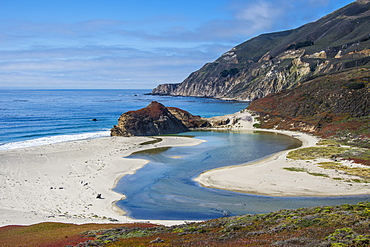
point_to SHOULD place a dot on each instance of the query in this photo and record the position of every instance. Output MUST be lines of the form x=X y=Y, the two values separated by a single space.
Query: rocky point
x=156 y=119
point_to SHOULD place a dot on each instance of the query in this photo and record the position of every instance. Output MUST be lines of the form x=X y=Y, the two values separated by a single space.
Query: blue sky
x=96 y=44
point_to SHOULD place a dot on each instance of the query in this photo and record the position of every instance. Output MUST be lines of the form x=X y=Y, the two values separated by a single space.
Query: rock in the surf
x=155 y=119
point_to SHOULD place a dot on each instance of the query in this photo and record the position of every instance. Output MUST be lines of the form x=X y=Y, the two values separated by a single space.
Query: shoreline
x=60 y=182
x=268 y=177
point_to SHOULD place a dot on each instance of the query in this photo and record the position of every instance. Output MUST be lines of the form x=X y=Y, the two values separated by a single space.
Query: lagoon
x=164 y=188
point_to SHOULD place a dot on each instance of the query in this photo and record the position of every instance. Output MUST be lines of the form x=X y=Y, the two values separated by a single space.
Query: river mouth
x=164 y=188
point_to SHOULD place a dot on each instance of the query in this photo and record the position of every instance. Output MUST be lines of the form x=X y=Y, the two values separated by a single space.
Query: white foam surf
x=54 y=139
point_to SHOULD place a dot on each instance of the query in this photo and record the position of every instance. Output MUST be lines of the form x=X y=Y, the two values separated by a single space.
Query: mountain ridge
x=273 y=62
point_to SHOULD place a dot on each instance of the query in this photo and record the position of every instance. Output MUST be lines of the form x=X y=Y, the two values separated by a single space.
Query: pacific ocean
x=38 y=117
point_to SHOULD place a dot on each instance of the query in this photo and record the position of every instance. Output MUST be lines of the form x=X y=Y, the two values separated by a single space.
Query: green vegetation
x=362 y=172
x=230 y=72
x=317 y=174
x=333 y=105
x=156 y=140
x=357 y=154
x=332 y=149
x=299 y=169
x=328 y=142
x=295 y=169
x=49 y=234
x=300 y=45
x=311 y=153
x=342 y=225
x=152 y=151
x=355 y=85
x=353 y=131
x=342 y=118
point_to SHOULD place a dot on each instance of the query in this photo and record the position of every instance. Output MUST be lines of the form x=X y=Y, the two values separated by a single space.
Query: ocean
x=38 y=117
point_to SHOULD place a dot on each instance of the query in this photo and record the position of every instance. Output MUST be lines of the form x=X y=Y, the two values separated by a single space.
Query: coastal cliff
x=274 y=62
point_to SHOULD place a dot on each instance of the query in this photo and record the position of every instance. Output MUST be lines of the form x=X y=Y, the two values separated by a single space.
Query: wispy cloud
x=81 y=54
x=113 y=66
x=259 y=14
x=121 y=53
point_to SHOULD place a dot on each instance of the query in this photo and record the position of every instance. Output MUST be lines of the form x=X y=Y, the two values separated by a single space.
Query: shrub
x=230 y=72
x=355 y=85
x=315 y=152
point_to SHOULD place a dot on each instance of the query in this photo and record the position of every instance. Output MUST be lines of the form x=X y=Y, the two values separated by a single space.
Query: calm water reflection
x=164 y=189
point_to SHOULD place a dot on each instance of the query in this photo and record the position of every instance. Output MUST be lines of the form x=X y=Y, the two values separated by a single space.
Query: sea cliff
x=274 y=62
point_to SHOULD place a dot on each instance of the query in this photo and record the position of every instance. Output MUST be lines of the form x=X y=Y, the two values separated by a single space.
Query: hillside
x=345 y=225
x=274 y=62
x=336 y=105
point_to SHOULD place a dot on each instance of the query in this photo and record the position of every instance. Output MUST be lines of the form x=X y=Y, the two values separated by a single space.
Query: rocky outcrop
x=274 y=62
x=327 y=105
x=188 y=119
x=165 y=89
x=155 y=119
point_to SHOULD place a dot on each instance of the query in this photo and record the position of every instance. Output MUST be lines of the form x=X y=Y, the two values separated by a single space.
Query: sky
x=126 y=44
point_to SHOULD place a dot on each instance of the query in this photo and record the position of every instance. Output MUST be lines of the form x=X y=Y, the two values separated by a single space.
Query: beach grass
x=299 y=169
x=154 y=141
x=311 y=153
x=328 y=142
x=362 y=172
x=295 y=169
x=355 y=153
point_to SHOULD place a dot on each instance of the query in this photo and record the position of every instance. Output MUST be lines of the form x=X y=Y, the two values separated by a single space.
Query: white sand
x=60 y=182
x=267 y=176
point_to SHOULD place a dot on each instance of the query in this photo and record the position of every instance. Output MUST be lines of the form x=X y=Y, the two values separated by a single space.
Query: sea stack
x=155 y=119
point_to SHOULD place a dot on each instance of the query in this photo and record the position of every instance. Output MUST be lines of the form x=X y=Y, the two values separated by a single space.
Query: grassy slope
x=345 y=225
x=53 y=234
x=335 y=105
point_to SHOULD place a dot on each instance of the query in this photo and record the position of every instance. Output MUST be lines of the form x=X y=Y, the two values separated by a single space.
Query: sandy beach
x=60 y=182
x=268 y=176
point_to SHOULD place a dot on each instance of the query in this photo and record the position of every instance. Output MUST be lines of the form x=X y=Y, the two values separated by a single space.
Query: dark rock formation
x=155 y=119
x=278 y=61
x=188 y=119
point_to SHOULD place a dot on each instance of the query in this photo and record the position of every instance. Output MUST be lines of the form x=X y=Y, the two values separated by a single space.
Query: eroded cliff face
x=275 y=62
x=257 y=80
x=166 y=89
